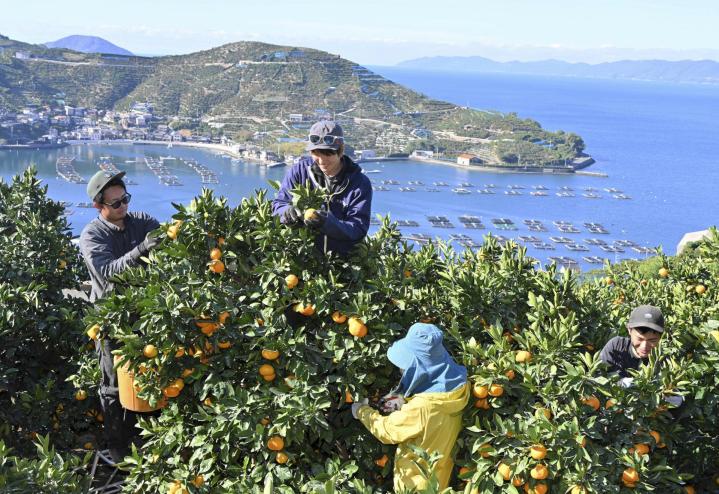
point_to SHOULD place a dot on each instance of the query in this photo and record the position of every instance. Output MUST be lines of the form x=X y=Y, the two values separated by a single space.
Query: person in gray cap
x=646 y=327
x=111 y=243
x=343 y=220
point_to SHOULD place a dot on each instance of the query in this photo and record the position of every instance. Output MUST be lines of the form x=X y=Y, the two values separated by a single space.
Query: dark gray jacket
x=109 y=250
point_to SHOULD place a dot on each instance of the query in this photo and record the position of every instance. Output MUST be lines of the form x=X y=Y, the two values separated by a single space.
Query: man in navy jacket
x=344 y=218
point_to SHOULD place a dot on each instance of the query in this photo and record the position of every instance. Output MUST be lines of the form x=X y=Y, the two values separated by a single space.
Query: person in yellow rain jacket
x=435 y=391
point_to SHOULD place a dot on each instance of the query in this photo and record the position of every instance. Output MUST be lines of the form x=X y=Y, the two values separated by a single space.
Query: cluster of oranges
x=277 y=444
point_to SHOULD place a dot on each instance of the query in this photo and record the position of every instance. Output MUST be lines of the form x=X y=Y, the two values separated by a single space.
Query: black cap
x=99 y=181
x=647 y=316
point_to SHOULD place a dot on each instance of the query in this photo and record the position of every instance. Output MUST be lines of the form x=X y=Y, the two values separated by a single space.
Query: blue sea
x=654 y=141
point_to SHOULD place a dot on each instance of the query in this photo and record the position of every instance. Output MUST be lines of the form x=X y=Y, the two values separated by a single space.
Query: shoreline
x=228 y=150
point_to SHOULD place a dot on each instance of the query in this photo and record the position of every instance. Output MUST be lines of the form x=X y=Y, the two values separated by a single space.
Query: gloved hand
x=151 y=241
x=391 y=402
x=291 y=216
x=675 y=400
x=317 y=219
x=357 y=405
x=626 y=382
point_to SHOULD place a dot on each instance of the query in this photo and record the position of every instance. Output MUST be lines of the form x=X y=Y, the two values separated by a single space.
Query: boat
x=407 y=189
x=276 y=164
x=465 y=218
x=409 y=223
x=512 y=192
x=543 y=246
x=539 y=187
x=460 y=190
x=593 y=259
x=431 y=189
x=538 y=193
x=577 y=247
x=369 y=171
x=591 y=195
x=561 y=240
x=415 y=182
x=465 y=184
x=440 y=184
x=621 y=196
x=565 y=193
x=594 y=241
x=486 y=191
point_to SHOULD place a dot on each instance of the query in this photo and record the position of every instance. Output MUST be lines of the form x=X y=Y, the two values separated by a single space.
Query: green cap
x=99 y=181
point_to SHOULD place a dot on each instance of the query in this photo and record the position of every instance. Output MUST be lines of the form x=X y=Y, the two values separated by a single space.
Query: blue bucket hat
x=428 y=367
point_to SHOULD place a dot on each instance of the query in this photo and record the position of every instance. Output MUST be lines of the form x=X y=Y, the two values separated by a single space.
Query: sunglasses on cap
x=327 y=139
x=125 y=199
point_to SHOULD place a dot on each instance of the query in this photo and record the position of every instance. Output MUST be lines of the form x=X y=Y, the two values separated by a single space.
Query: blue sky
x=384 y=32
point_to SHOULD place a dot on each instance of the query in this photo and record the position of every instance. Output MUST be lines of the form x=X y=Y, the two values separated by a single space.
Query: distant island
x=259 y=94
x=88 y=44
x=685 y=71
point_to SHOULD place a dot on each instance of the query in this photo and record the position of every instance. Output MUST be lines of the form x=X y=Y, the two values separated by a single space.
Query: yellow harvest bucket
x=128 y=394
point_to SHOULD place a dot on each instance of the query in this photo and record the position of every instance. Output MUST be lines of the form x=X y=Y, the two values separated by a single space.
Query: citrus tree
x=256 y=344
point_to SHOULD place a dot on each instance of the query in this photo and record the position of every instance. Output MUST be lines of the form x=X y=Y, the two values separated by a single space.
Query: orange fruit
x=496 y=390
x=608 y=281
x=171 y=391
x=505 y=471
x=510 y=374
x=150 y=351
x=93 y=331
x=265 y=421
x=482 y=403
x=485 y=454
x=207 y=402
x=381 y=461
x=348 y=397
x=700 y=289
x=539 y=488
x=215 y=254
x=407 y=273
x=537 y=451
x=172 y=232
x=517 y=481
x=591 y=401
x=578 y=489
x=281 y=457
x=657 y=439
x=187 y=372
x=480 y=391
x=224 y=345
x=641 y=449
x=305 y=310
x=291 y=281
x=224 y=315
x=464 y=471
x=688 y=489
x=357 y=327
x=310 y=214
x=276 y=443
x=270 y=354
x=269 y=377
x=539 y=472
x=630 y=476
x=609 y=404
x=338 y=317
x=180 y=352
x=266 y=370
x=663 y=272
x=220 y=240
x=198 y=481
x=217 y=267
x=81 y=395
x=546 y=412
x=523 y=356
x=87 y=445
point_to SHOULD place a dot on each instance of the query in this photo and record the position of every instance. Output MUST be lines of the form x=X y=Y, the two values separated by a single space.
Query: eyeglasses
x=327 y=139
x=125 y=199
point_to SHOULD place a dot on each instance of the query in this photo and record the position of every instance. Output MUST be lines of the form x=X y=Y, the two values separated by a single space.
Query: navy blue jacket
x=348 y=207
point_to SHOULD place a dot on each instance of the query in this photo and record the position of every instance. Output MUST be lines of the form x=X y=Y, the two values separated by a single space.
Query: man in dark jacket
x=111 y=243
x=645 y=327
x=343 y=220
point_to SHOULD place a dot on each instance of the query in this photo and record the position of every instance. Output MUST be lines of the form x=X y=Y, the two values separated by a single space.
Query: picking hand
x=291 y=216
x=357 y=405
x=151 y=241
x=317 y=219
x=392 y=402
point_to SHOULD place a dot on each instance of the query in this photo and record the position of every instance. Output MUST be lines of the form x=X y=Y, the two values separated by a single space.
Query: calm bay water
x=653 y=140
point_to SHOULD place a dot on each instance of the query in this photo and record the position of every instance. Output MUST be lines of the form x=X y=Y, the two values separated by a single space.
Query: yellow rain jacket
x=431 y=421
